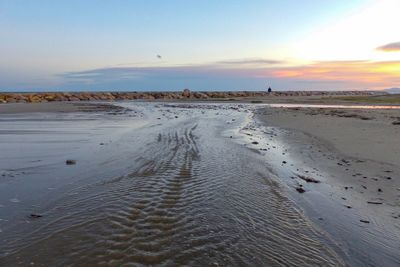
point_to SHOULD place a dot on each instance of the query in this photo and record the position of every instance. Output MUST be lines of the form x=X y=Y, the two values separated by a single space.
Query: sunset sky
x=202 y=45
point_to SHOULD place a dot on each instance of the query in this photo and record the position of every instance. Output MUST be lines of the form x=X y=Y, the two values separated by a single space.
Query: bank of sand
x=357 y=149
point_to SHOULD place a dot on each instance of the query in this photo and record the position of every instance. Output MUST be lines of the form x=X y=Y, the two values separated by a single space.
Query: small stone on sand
x=300 y=190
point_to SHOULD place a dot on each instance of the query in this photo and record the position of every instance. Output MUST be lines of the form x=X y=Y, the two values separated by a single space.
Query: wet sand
x=15 y=108
x=181 y=184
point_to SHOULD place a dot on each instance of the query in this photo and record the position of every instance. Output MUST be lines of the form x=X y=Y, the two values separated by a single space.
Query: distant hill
x=393 y=90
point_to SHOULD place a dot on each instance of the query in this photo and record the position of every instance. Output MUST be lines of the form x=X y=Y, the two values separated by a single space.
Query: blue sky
x=204 y=45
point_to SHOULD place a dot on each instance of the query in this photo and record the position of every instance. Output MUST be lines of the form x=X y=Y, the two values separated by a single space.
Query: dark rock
x=300 y=190
x=70 y=162
x=186 y=93
x=374 y=202
x=35 y=216
x=308 y=179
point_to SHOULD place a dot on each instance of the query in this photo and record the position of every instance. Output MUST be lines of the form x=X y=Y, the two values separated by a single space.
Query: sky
x=151 y=45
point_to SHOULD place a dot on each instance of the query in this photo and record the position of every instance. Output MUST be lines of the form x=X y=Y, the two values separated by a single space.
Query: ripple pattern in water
x=194 y=198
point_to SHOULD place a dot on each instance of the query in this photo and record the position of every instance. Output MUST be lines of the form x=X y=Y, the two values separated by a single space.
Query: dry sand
x=359 y=150
x=366 y=134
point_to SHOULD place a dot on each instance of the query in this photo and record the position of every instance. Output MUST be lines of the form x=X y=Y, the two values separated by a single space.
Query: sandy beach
x=200 y=133
x=227 y=184
x=360 y=133
x=354 y=151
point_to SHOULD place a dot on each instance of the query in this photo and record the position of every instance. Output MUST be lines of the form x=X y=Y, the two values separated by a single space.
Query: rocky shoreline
x=41 y=97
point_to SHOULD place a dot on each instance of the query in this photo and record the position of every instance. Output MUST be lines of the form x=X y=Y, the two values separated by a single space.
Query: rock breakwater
x=39 y=97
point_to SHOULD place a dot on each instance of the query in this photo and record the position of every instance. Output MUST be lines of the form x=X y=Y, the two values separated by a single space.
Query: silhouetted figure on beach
x=269 y=90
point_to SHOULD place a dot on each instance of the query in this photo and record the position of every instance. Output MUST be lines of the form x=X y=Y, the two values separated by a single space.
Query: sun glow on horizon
x=355 y=37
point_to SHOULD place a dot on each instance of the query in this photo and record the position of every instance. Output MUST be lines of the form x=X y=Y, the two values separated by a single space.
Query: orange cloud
x=378 y=74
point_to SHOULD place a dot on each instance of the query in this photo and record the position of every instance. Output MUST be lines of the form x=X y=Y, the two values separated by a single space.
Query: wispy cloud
x=243 y=68
x=331 y=74
x=252 y=61
x=392 y=47
x=197 y=77
x=103 y=75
